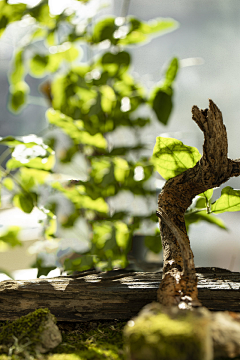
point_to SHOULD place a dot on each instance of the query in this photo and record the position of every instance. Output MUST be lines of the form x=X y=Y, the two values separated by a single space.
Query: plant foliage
x=91 y=94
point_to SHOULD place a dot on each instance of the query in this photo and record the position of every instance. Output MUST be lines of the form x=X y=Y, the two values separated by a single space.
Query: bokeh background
x=207 y=44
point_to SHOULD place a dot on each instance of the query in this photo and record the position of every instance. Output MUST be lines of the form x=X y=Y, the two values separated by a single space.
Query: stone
x=159 y=333
x=36 y=332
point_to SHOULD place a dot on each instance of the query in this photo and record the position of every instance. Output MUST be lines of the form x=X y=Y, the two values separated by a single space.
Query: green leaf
x=8 y=183
x=38 y=34
x=141 y=31
x=115 y=63
x=42 y=15
x=24 y=202
x=108 y=98
x=153 y=243
x=75 y=129
x=66 y=52
x=10 y=237
x=104 y=30
x=121 y=169
x=38 y=65
x=172 y=71
x=122 y=235
x=228 y=201
x=46 y=163
x=81 y=263
x=207 y=194
x=30 y=151
x=18 y=95
x=28 y=141
x=161 y=97
x=42 y=269
x=162 y=104
x=18 y=71
x=10 y=13
x=171 y=157
x=31 y=177
x=191 y=218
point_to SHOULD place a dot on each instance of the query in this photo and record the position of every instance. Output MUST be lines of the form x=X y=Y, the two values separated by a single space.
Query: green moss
x=104 y=342
x=158 y=336
x=81 y=341
x=24 y=332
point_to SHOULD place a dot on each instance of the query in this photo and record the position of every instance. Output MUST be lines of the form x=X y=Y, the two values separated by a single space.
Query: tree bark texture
x=179 y=285
x=107 y=296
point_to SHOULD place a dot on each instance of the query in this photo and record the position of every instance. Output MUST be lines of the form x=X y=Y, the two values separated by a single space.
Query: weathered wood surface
x=114 y=295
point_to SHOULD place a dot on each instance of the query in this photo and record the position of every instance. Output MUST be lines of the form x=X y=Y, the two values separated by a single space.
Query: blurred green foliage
x=91 y=93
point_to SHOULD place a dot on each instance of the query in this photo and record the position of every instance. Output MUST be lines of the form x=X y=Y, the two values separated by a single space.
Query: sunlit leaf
x=81 y=263
x=161 y=97
x=116 y=63
x=31 y=177
x=39 y=33
x=46 y=163
x=69 y=54
x=207 y=194
x=78 y=197
x=38 y=64
x=228 y=201
x=28 y=141
x=42 y=15
x=108 y=98
x=75 y=129
x=171 y=157
x=142 y=31
x=18 y=71
x=191 y=218
x=122 y=235
x=24 y=202
x=30 y=151
x=104 y=30
x=172 y=71
x=51 y=38
x=8 y=183
x=10 y=236
x=18 y=95
x=42 y=64
x=10 y=13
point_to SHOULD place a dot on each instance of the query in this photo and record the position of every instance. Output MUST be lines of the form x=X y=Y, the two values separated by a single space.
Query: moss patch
x=156 y=336
x=91 y=341
x=20 y=336
x=83 y=341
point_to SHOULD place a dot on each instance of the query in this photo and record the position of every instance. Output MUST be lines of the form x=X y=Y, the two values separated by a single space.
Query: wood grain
x=105 y=296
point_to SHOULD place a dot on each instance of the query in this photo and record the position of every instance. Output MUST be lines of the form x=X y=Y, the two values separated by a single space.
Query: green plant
x=89 y=99
x=171 y=158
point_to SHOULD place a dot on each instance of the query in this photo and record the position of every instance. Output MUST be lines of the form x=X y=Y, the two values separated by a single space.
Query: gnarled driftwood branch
x=179 y=285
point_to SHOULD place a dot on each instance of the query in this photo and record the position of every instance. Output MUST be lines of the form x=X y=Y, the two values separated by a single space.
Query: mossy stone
x=157 y=335
x=36 y=332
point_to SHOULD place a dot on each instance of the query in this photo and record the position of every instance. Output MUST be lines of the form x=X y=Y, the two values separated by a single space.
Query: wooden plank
x=117 y=294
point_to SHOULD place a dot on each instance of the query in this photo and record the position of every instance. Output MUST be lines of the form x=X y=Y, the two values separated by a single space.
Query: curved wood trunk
x=179 y=285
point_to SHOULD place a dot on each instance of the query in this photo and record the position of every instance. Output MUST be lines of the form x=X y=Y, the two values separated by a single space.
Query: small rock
x=169 y=334
x=37 y=329
x=225 y=329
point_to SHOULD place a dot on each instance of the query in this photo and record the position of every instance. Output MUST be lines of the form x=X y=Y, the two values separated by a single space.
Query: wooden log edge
x=116 y=294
